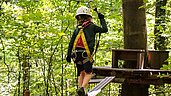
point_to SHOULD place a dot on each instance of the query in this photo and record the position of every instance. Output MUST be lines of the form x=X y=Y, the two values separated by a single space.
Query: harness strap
x=81 y=33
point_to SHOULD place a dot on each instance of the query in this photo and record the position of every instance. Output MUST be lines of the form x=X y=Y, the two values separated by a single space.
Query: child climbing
x=81 y=46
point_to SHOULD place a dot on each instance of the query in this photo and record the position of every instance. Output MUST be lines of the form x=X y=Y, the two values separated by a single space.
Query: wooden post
x=135 y=37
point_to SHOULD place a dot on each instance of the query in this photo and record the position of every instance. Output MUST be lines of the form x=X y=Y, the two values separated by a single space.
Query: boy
x=82 y=44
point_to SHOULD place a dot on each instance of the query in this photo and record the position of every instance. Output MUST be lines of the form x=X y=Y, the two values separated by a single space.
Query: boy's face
x=82 y=17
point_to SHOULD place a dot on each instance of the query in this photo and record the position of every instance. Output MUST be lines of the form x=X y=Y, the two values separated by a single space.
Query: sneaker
x=81 y=92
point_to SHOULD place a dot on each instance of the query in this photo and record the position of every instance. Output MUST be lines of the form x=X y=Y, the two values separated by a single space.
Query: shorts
x=86 y=66
x=81 y=67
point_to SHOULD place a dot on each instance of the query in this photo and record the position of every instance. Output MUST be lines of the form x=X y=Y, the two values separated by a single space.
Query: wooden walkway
x=137 y=76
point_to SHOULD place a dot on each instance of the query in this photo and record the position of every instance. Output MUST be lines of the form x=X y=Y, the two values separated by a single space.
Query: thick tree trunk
x=135 y=37
x=160 y=42
x=135 y=34
x=134 y=90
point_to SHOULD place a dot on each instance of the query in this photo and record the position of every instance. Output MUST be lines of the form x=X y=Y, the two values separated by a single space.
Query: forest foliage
x=34 y=36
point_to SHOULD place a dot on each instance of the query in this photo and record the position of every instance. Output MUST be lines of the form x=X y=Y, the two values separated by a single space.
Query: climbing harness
x=86 y=54
x=83 y=53
x=81 y=33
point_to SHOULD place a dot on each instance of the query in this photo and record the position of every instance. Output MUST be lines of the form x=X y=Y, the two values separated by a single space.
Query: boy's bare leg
x=81 y=78
x=86 y=79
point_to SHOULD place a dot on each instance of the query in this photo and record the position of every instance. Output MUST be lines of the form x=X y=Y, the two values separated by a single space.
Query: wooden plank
x=95 y=80
x=129 y=70
x=100 y=86
x=139 y=76
x=127 y=50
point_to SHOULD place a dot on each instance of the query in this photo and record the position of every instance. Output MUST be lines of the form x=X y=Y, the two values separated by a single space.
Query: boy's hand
x=100 y=15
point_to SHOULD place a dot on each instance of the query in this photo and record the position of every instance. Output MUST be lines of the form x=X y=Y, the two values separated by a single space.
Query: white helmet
x=83 y=10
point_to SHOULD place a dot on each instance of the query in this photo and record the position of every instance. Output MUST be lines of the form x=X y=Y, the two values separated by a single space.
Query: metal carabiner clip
x=84 y=54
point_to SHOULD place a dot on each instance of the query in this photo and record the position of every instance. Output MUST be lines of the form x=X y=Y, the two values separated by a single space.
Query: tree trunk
x=26 y=76
x=135 y=34
x=160 y=41
x=135 y=37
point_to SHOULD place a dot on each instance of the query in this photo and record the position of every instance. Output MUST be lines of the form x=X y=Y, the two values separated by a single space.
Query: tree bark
x=26 y=76
x=135 y=37
x=135 y=34
x=160 y=42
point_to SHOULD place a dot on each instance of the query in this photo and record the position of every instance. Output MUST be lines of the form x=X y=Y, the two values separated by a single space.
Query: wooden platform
x=137 y=76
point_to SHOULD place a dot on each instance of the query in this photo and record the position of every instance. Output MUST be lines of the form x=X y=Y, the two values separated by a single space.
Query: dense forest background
x=34 y=36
